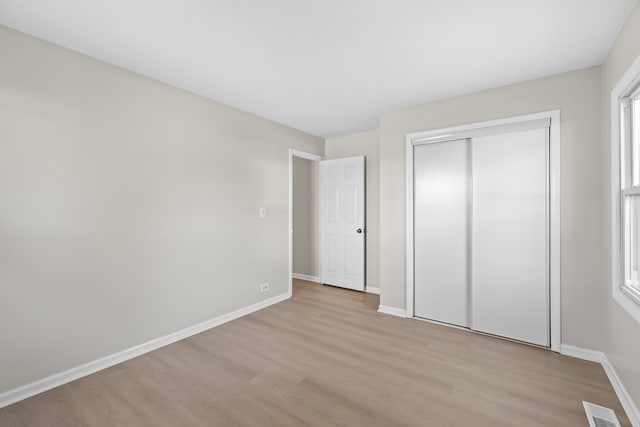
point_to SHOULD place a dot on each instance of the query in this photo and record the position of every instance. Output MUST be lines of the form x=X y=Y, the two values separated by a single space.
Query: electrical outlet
x=264 y=287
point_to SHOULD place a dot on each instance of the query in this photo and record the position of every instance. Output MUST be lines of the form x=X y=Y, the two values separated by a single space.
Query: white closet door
x=509 y=244
x=441 y=225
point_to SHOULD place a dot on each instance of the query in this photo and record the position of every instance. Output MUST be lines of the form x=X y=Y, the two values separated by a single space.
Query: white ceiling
x=329 y=67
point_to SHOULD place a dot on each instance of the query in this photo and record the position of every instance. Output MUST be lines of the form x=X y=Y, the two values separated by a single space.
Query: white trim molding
x=314 y=279
x=628 y=79
x=393 y=311
x=554 y=199
x=372 y=290
x=581 y=353
x=625 y=398
x=61 y=378
x=627 y=402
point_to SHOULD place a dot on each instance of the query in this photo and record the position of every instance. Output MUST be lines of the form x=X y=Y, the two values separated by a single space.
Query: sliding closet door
x=441 y=226
x=510 y=236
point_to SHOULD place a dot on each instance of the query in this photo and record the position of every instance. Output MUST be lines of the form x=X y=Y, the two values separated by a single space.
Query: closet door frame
x=476 y=129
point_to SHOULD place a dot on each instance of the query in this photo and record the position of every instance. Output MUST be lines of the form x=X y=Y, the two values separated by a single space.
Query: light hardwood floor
x=327 y=358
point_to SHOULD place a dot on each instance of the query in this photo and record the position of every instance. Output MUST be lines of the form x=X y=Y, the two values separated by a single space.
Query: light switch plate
x=263 y=212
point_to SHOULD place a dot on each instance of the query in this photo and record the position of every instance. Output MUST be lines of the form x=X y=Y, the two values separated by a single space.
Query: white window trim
x=630 y=78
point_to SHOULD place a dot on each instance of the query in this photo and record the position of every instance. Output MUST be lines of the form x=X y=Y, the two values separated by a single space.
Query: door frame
x=554 y=208
x=308 y=156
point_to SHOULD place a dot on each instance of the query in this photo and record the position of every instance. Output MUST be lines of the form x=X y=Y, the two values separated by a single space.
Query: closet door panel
x=510 y=236
x=441 y=226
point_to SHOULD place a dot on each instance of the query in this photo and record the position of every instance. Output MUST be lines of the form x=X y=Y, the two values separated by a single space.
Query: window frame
x=625 y=181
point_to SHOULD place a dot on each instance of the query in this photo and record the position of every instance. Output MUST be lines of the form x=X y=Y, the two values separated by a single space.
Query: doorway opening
x=304 y=253
x=327 y=220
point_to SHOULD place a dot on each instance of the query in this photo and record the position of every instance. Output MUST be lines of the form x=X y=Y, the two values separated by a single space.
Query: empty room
x=332 y=213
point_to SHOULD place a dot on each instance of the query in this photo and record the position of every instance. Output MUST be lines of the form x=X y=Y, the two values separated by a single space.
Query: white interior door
x=342 y=222
x=510 y=236
x=441 y=227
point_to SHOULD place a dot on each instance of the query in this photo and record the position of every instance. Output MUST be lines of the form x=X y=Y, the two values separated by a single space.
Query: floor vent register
x=599 y=416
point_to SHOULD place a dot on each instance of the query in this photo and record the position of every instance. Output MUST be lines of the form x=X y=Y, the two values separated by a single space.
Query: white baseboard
x=581 y=353
x=315 y=279
x=627 y=402
x=305 y=277
x=393 y=311
x=55 y=380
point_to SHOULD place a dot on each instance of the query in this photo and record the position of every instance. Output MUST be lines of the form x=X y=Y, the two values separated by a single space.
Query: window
x=630 y=187
x=626 y=196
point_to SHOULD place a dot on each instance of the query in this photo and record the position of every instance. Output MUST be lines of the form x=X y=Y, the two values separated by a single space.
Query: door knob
x=359 y=230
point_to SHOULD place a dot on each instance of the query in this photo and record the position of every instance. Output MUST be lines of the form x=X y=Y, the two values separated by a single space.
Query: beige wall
x=129 y=208
x=365 y=144
x=622 y=332
x=305 y=217
x=577 y=95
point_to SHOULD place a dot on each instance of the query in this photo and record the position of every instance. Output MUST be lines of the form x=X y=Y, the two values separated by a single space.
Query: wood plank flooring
x=327 y=358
